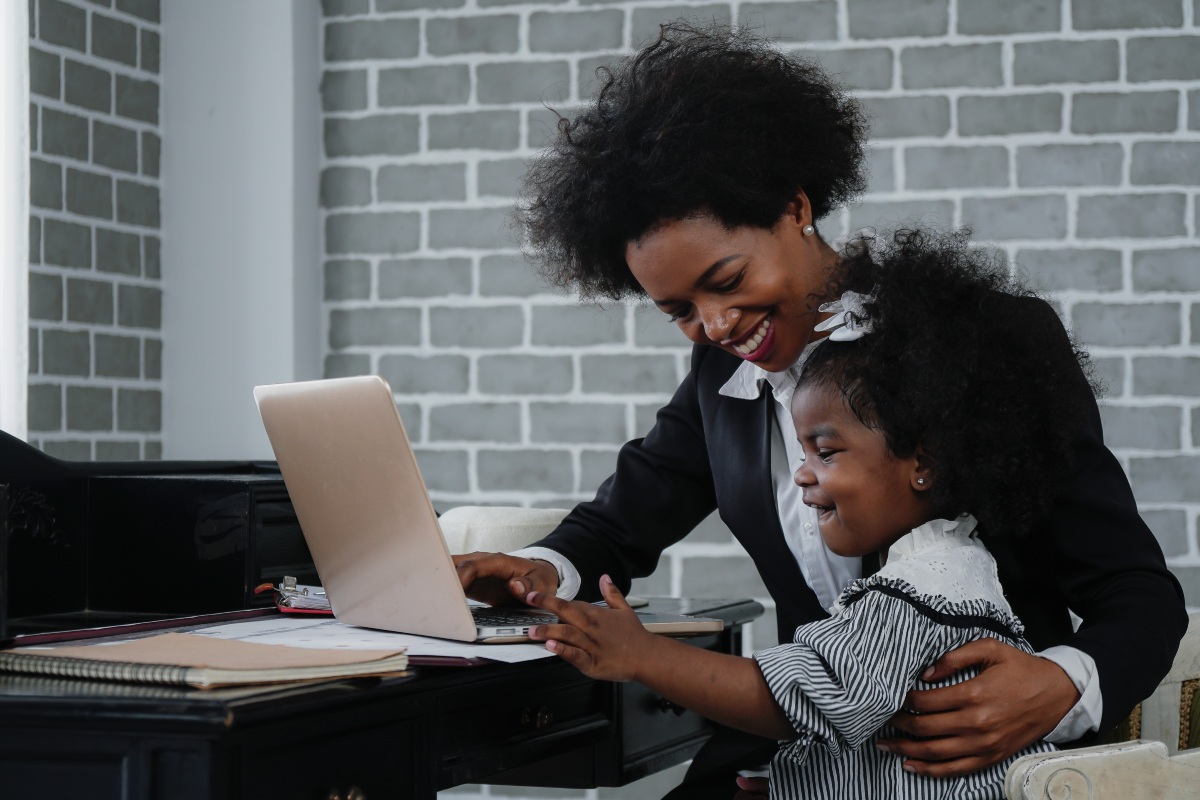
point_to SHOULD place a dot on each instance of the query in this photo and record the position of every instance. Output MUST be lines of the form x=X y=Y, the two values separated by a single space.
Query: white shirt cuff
x=1086 y=714
x=568 y=576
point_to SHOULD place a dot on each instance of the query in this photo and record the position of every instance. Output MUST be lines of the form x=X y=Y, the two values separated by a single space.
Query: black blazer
x=706 y=451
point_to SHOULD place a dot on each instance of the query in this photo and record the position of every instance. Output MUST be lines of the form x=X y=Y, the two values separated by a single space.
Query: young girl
x=931 y=421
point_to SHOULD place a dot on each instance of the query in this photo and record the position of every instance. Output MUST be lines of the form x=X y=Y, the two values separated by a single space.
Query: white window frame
x=14 y=217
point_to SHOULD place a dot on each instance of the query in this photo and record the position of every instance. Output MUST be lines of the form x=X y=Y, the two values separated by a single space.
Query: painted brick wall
x=95 y=282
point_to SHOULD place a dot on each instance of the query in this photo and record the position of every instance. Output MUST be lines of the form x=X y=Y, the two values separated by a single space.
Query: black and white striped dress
x=842 y=678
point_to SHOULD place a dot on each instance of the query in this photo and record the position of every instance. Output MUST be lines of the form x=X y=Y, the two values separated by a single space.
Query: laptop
x=369 y=523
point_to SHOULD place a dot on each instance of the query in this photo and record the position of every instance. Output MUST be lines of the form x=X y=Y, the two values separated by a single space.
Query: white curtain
x=14 y=215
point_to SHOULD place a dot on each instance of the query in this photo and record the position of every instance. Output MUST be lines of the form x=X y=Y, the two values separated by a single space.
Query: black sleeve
x=662 y=488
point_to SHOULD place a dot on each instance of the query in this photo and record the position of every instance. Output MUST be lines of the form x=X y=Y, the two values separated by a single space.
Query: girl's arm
x=611 y=644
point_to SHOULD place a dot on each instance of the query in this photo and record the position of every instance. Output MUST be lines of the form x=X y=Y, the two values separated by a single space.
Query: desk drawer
x=650 y=723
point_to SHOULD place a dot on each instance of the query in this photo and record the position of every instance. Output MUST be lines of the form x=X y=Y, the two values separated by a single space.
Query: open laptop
x=368 y=521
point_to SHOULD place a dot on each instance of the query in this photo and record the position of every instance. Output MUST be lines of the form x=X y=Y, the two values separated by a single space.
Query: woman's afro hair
x=967 y=366
x=701 y=121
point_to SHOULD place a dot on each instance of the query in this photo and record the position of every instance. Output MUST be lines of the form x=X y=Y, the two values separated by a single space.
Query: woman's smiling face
x=753 y=292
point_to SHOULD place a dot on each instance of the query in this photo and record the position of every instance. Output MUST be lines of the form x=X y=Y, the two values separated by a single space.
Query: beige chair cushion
x=498 y=529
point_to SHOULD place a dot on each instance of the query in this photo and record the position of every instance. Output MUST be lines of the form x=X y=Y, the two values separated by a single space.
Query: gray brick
x=385 y=233
x=89 y=194
x=374 y=326
x=1002 y=116
x=346 y=365
x=381 y=134
x=71 y=450
x=89 y=301
x=60 y=23
x=636 y=374
x=482 y=33
x=45 y=411
x=476 y=422
x=1024 y=217
x=1065 y=62
x=137 y=99
x=152 y=359
x=118 y=451
x=558 y=32
x=344 y=90
x=935 y=213
x=482 y=130
x=595 y=467
x=508 y=276
x=898 y=117
x=490 y=328
x=138 y=204
x=721 y=576
x=439 y=84
x=1070 y=165
x=444 y=470
x=1110 y=373
x=345 y=186
x=153 y=256
x=1088 y=15
x=422 y=182
x=1127 y=324
x=881 y=170
x=117 y=251
x=526 y=374
x=114 y=147
x=114 y=39
x=494 y=3
x=1165 y=479
x=1156 y=58
x=1157 y=163
x=858 y=67
x=139 y=410
x=1090 y=270
x=1125 y=112
x=1194 y=110
x=45 y=73
x=600 y=423
x=45 y=296
x=578 y=326
x=118 y=356
x=1126 y=215
x=151 y=153
x=1175 y=269
x=35 y=240
x=523 y=82
x=956 y=167
x=652 y=328
x=64 y=134
x=974 y=65
x=66 y=244
x=372 y=39
x=443 y=373
x=792 y=22
x=644 y=418
x=1170 y=529
x=45 y=184
x=525 y=470
x=407 y=5
x=139 y=307
x=348 y=279
x=1142 y=427
x=500 y=178
x=424 y=277
x=645 y=23
x=541 y=125
x=589 y=82
x=1171 y=376
x=66 y=353
x=885 y=19
x=151 y=50
x=989 y=18
x=481 y=228
x=89 y=408
x=146 y=9
x=345 y=8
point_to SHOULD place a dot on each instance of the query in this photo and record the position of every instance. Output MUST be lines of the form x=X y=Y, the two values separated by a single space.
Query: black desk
x=537 y=723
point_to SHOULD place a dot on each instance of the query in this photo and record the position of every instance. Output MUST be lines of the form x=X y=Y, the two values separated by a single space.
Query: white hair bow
x=850 y=320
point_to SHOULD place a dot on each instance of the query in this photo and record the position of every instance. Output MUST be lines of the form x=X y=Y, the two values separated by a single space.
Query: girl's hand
x=605 y=643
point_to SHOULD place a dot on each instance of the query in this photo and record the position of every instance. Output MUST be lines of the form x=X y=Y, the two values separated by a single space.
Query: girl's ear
x=921 y=479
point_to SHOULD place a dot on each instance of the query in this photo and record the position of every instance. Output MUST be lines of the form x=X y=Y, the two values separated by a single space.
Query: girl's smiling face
x=865 y=495
x=753 y=292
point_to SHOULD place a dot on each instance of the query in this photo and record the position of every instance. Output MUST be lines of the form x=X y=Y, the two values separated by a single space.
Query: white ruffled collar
x=937 y=534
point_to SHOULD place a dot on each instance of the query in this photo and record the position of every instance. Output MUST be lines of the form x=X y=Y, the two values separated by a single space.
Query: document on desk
x=327 y=634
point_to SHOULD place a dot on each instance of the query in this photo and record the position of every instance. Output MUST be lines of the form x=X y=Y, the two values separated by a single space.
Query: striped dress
x=841 y=678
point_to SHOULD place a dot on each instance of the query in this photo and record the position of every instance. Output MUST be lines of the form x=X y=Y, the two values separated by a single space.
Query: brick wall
x=95 y=282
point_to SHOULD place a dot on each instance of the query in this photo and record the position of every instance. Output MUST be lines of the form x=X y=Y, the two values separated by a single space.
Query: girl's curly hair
x=703 y=120
x=965 y=363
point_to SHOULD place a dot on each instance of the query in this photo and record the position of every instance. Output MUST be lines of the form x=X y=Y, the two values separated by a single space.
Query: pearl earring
x=808 y=230
x=920 y=481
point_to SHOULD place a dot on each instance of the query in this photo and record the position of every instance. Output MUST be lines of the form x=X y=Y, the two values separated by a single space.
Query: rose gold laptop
x=368 y=521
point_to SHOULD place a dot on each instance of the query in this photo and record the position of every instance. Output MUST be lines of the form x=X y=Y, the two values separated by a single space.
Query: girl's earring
x=920 y=481
x=808 y=230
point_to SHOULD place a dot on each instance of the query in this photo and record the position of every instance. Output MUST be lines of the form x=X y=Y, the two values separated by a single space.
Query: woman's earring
x=920 y=481
x=808 y=230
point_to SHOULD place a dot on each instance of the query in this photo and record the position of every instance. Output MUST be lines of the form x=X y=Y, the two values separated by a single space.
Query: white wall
x=240 y=216
x=14 y=216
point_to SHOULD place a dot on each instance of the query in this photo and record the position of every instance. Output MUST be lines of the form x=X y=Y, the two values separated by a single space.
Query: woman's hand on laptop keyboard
x=503 y=580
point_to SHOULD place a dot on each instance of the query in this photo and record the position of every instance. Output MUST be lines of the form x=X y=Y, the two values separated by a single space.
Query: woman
x=697 y=179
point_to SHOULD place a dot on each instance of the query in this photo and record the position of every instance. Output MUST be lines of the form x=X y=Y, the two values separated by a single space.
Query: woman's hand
x=1016 y=699
x=605 y=643
x=498 y=579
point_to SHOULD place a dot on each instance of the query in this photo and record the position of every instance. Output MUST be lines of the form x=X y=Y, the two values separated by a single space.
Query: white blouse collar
x=743 y=384
x=934 y=535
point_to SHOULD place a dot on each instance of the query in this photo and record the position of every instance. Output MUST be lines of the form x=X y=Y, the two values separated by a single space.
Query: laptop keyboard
x=493 y=617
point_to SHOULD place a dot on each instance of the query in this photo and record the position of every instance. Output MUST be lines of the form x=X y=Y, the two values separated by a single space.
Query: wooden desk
x=538 y=723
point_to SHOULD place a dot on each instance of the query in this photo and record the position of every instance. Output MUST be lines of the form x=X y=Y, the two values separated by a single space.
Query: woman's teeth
x=751 y=344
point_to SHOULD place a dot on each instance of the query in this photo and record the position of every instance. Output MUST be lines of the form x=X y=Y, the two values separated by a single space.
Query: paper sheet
x=326 y=634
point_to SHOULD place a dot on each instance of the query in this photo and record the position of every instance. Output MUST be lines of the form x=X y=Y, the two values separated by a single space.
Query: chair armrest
x=1139 y=768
